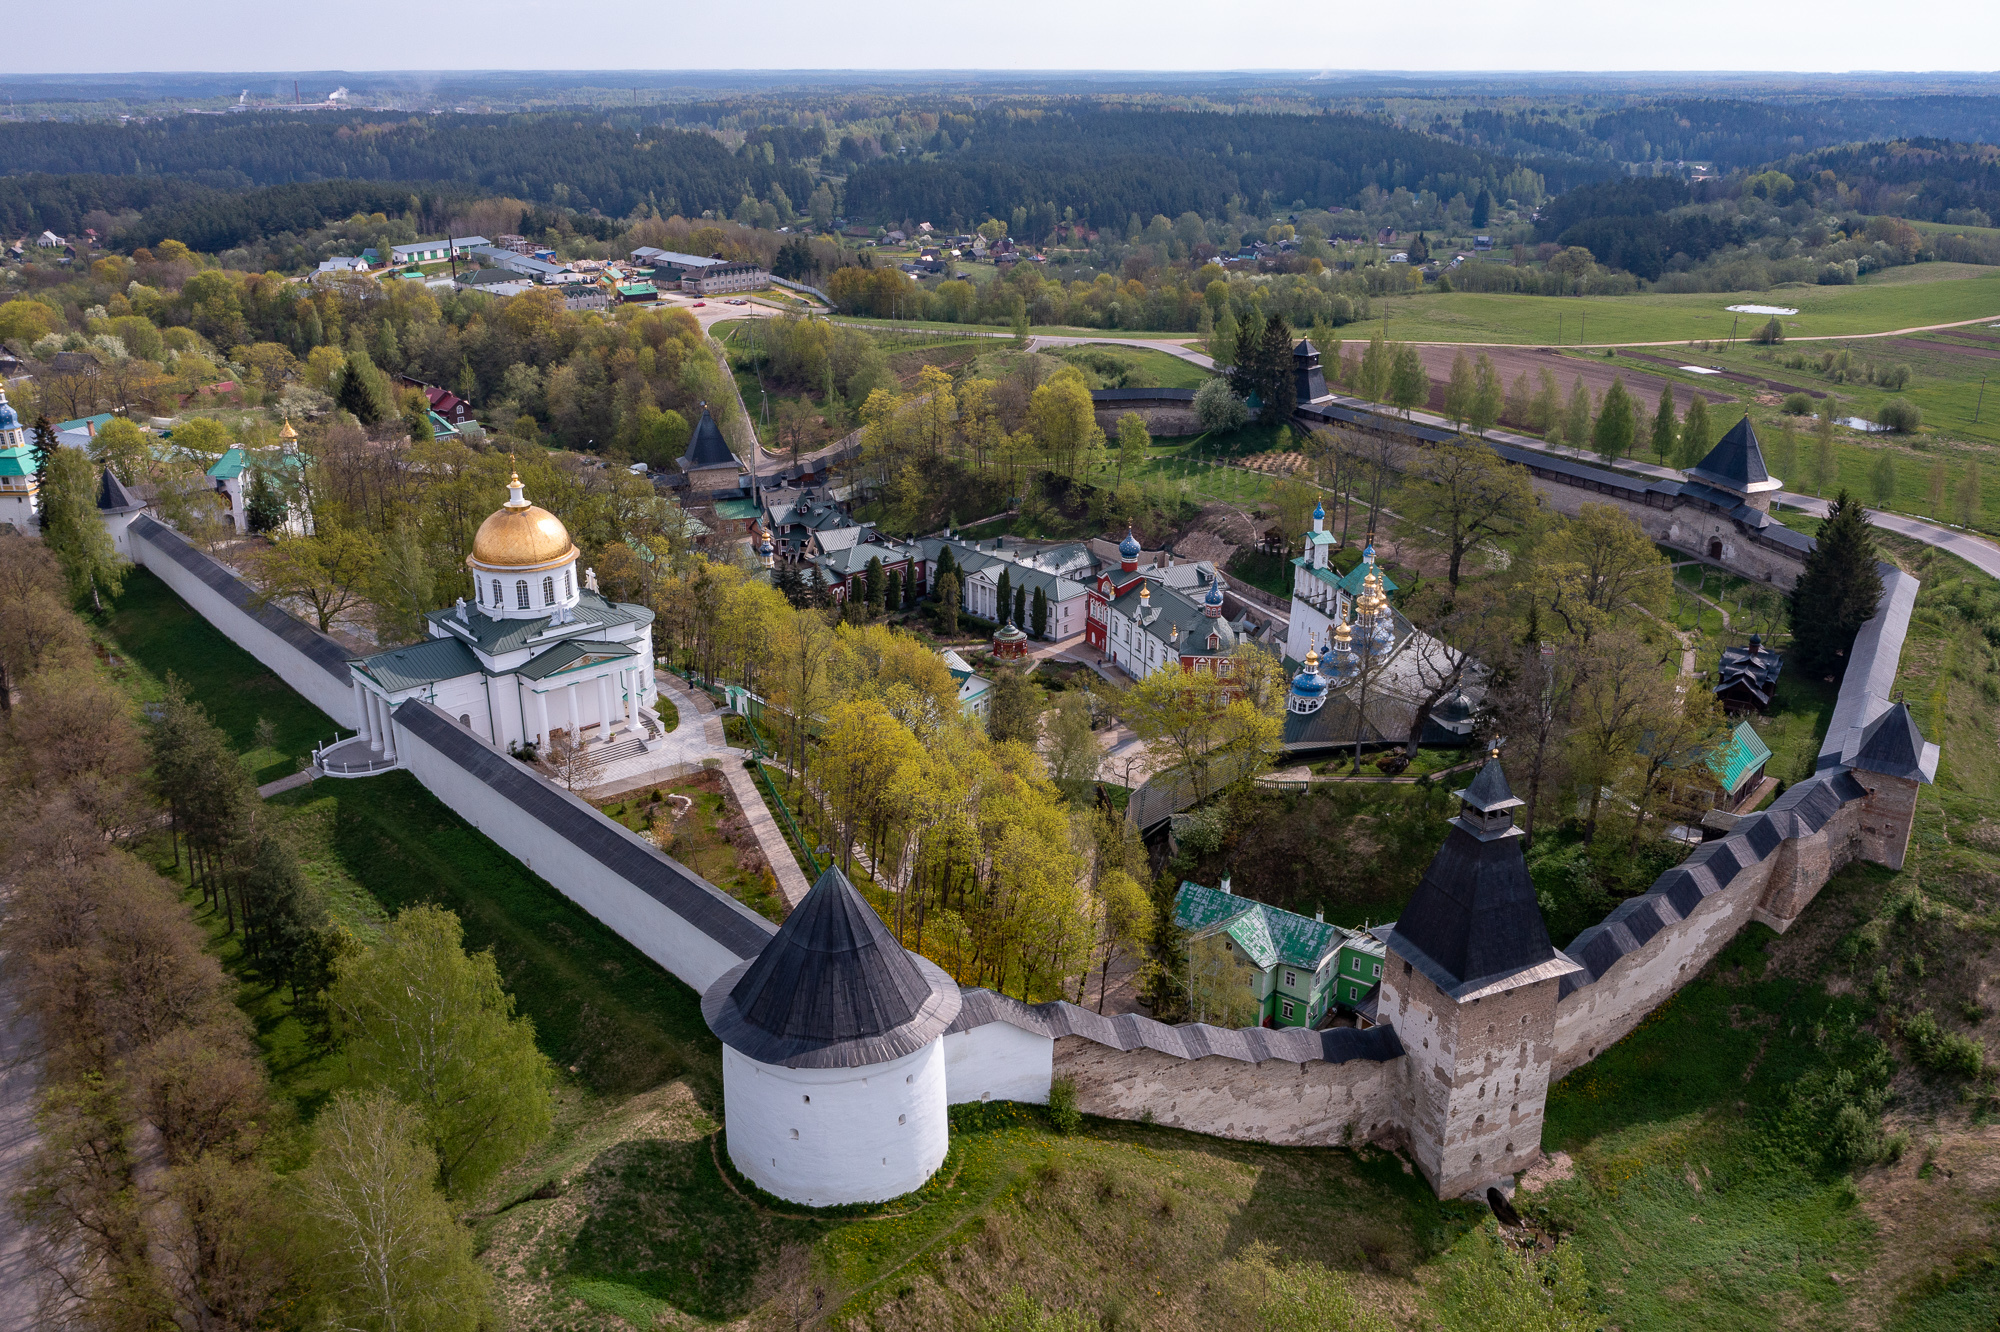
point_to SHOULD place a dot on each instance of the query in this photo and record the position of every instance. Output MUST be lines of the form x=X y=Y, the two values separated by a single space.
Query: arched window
x=567 y=593
x=549 y=591
x=478 y=592
x=497 y=602
x=521 y=594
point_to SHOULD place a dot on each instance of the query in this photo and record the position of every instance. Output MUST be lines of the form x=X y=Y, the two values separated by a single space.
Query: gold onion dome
x=288 y=434
x=522 y=536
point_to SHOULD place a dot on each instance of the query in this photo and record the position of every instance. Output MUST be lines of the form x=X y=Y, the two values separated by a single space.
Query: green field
x=1896 y=298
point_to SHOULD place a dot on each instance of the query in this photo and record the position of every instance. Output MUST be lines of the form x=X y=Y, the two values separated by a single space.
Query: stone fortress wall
x=1289 y=1086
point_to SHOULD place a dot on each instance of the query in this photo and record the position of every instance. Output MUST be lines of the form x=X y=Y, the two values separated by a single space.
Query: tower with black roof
x=1471 y=989
x=833 y=1077
x=1735 y=466
x=1891 y=759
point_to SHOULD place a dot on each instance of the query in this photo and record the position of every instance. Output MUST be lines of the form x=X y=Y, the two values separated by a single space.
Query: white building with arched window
x=538 y=652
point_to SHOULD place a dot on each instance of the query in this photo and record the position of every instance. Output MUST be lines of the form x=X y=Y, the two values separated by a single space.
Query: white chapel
x=538 y=650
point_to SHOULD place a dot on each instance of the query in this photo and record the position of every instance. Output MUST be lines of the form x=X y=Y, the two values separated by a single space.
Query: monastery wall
x=298 y=654
x=1688 y=527
x=652 y=901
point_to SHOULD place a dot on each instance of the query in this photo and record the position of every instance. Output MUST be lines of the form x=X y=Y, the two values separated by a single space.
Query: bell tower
x=1471 y=987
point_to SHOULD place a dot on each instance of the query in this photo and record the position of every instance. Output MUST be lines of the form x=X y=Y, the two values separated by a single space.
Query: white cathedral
x=538 y=651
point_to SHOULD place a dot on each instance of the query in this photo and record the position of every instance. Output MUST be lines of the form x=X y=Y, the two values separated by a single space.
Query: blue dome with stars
x=1214 y=597
x=1129 y=547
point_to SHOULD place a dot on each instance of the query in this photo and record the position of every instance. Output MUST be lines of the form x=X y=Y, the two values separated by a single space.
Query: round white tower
x=523 y=562
x=833 y=1056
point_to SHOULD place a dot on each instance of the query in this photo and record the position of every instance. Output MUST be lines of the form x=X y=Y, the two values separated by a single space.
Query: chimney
x=1319 y=914
x=1225 y=885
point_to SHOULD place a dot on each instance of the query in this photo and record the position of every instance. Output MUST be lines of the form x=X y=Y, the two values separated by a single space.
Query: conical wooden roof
x=833 y=989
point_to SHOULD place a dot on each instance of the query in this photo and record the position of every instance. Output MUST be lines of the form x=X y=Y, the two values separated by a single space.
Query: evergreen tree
x=266 y=504
x=947 y=599
x=40 y=451
x=1039 y=613
x=1276 y=384
x=1004 y=598
x=945 y=564
x=1482 y=209
x=1616 y=422
x=1420 y=249
x=876 y=583
x=1244 y=374
x=1837 y=592
x=892 y=599
x=789 y=584
x=1665 y=429
x=1021 y=607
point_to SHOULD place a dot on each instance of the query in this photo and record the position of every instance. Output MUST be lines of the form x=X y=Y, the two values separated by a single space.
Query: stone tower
x=1471 y=989
x=1891 y=761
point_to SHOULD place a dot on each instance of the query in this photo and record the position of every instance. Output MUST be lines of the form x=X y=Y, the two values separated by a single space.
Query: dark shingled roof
x=707 y=448
x=1737 y=463
x=1489 y=790
x=833 y=989
x=1474 y=914
x=1893 y=746
x=113 y=497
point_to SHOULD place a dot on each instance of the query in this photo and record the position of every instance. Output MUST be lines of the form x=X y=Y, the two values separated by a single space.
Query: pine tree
x=1004 y=598
x=945 y=564
x=876 y=585
x=1039 y=613
x=39 y=453
x=1665 y=429
x=1020 y=607
x=1837 y=592
x=893 y=598
x=1482 y=208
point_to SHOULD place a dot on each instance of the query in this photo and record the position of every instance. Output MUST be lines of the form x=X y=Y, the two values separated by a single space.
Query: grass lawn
x=1895 y=298
x=1134 y=367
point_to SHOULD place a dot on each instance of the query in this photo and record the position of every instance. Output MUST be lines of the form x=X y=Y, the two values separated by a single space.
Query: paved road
x=1975 y=550
x=1789 y=337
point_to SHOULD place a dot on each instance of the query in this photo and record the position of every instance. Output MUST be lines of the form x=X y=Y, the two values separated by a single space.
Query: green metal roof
x=1350 y=583
x=420 y=664
x=229 y=466
x=1741 y=755
x=496 y=637
x=736 y=509
x=638 y=289
x=571 y=653
x=17 y=462
x=1267 y=935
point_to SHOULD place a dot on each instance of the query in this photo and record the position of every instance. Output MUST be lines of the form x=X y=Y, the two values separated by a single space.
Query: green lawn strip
x=151 y=633
x=600 y=1007
x=697 y=840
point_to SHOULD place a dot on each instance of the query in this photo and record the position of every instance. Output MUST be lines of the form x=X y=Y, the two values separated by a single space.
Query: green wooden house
x=1249 y=964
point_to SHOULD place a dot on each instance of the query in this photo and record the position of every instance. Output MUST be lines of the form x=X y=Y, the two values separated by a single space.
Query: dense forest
x=584 y=163
x=1105 y=166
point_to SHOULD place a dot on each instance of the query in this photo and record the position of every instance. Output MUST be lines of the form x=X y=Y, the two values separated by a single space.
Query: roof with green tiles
x=420 y=664
x=1267 y=935
x=17 y=462
x=229 y=466
x=497 y=637
x=1741 y=756
x=572 y=653
x=737 y=509
x=1331 y=577
x=1350 y=582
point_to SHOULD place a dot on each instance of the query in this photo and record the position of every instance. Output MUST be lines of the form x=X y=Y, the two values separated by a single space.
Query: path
x=1682 y=342
x=291 y=783
x=1977 y=551
x=20 y=1077
x=1303 y=776
x=700 y=736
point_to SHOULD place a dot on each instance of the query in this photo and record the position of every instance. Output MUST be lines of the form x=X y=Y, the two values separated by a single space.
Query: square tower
x=1471 y=988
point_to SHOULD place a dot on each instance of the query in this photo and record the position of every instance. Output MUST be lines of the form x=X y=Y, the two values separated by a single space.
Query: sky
x=1588 y=35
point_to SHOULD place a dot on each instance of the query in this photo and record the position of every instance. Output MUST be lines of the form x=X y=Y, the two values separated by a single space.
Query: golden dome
x=521 y=536
x=288 y=434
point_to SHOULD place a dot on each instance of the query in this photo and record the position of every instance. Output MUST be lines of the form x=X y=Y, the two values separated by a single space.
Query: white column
x=388 y=732
x=575 y=718
x=604 y=707
x=542 y=711
x=628 y=685
x=361 y=708
x=374 y=720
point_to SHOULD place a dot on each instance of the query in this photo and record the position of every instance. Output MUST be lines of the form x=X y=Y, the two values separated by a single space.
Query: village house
x=1274 y=967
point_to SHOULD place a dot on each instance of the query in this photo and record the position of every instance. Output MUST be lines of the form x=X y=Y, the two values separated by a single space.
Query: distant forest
x=1107 y=166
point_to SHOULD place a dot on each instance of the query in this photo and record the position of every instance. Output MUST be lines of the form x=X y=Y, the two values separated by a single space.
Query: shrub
x=1893 y=377
x=1942 y=1051
x=1900 y=415
x=1771 y=334
x=1798 y=404
x=1062 y=1106
x=1218 y=407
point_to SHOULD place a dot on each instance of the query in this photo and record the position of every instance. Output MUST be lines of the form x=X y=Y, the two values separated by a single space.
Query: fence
x=807 y=859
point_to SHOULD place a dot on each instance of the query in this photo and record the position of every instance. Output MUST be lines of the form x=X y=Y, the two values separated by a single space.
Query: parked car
x=736 y=300
x=699 y=304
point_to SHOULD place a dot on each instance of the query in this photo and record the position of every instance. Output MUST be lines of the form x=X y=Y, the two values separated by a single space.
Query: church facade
x=537 y=653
